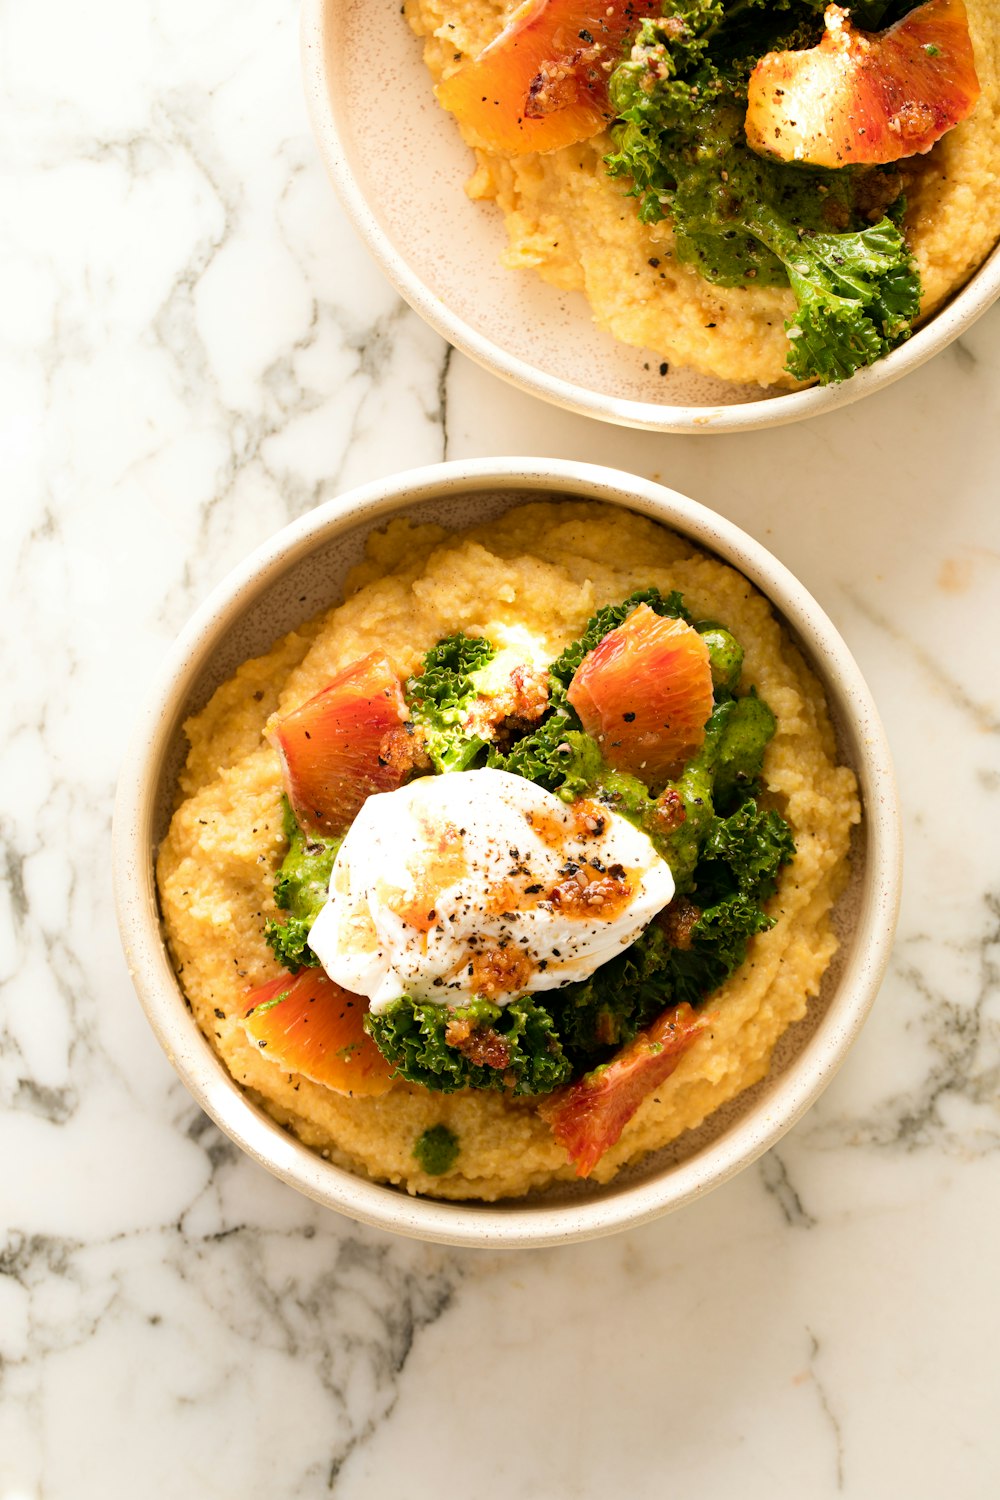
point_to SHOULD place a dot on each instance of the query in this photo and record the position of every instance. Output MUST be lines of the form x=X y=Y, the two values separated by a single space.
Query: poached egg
x=480 y=883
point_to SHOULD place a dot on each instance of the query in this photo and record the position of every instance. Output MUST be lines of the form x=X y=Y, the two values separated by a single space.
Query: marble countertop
x=194 y=349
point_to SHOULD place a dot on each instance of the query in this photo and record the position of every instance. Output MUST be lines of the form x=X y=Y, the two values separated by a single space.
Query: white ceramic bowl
x=399 y=165
x=293 y=576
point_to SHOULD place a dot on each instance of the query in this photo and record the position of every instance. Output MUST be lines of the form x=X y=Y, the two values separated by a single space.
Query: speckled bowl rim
x=941 y=329
x=532 y=1223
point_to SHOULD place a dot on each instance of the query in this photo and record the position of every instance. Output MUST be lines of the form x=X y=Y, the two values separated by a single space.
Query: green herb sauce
x=437 y=1150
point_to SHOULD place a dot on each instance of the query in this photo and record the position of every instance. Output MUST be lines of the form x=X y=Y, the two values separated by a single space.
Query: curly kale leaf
x=521 y=1036
x=742 y=219
x=858 y=294
x=300 y=889
x=441 y=695
x=719 y=941
x=658 y=92
x=745 y=852
x=547 y=757
x=736 y=873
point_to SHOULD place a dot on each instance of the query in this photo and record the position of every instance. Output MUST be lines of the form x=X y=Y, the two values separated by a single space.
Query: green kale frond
x=718 y=945
x=300 y=889
x=745 y=852
x=555 y=756
x=441 y=695
x=597 y=1015
x=289 y=942
x=521 y=1037
x=858 y=294
x=726 y=768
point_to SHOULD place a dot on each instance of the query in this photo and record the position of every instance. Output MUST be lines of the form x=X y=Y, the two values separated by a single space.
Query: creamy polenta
x=574 y=225
x=543 y=568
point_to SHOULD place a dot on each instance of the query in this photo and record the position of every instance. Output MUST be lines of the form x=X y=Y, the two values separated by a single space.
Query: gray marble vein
x=774 y=1175
x=955 y=1104
x=814 y=1353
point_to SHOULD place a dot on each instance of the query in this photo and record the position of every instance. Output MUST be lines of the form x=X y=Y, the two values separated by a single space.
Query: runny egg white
x=482 y=883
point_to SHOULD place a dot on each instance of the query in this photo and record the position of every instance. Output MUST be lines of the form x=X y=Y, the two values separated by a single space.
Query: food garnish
x=344 y=744
x=865 y=99
x=309 y=1025
x=513 y=1048
x=437 y=1150
x=543 y=82
x=588 y=1117
x=644 y=693
x=441 y=698
x=300 y=890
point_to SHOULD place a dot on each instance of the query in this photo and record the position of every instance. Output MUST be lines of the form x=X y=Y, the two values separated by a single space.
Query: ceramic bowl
x=299 y=572
x=442 y=252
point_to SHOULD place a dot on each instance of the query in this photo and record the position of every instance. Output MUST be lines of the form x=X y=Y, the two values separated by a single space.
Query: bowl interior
x=302 y=582
x=442 y=251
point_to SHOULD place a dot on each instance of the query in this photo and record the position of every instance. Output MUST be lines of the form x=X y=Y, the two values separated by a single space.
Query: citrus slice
x=344 y=744
x=645 y=693
x=309 y=1025
x=588 y=1116
x=543 y=82
x=866 y=98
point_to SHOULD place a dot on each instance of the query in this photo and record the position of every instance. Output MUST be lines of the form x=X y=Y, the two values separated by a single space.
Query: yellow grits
x=544 y=568
x=572 y=223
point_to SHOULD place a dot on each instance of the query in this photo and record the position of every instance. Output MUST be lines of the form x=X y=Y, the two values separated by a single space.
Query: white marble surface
x=193 y=349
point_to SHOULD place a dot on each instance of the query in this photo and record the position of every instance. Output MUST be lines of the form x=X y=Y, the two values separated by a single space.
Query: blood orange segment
x=309 y=1025
x=344 y=744
x=543 y=82
x=588 y=1116
x=866 y=98
x=645 y=693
